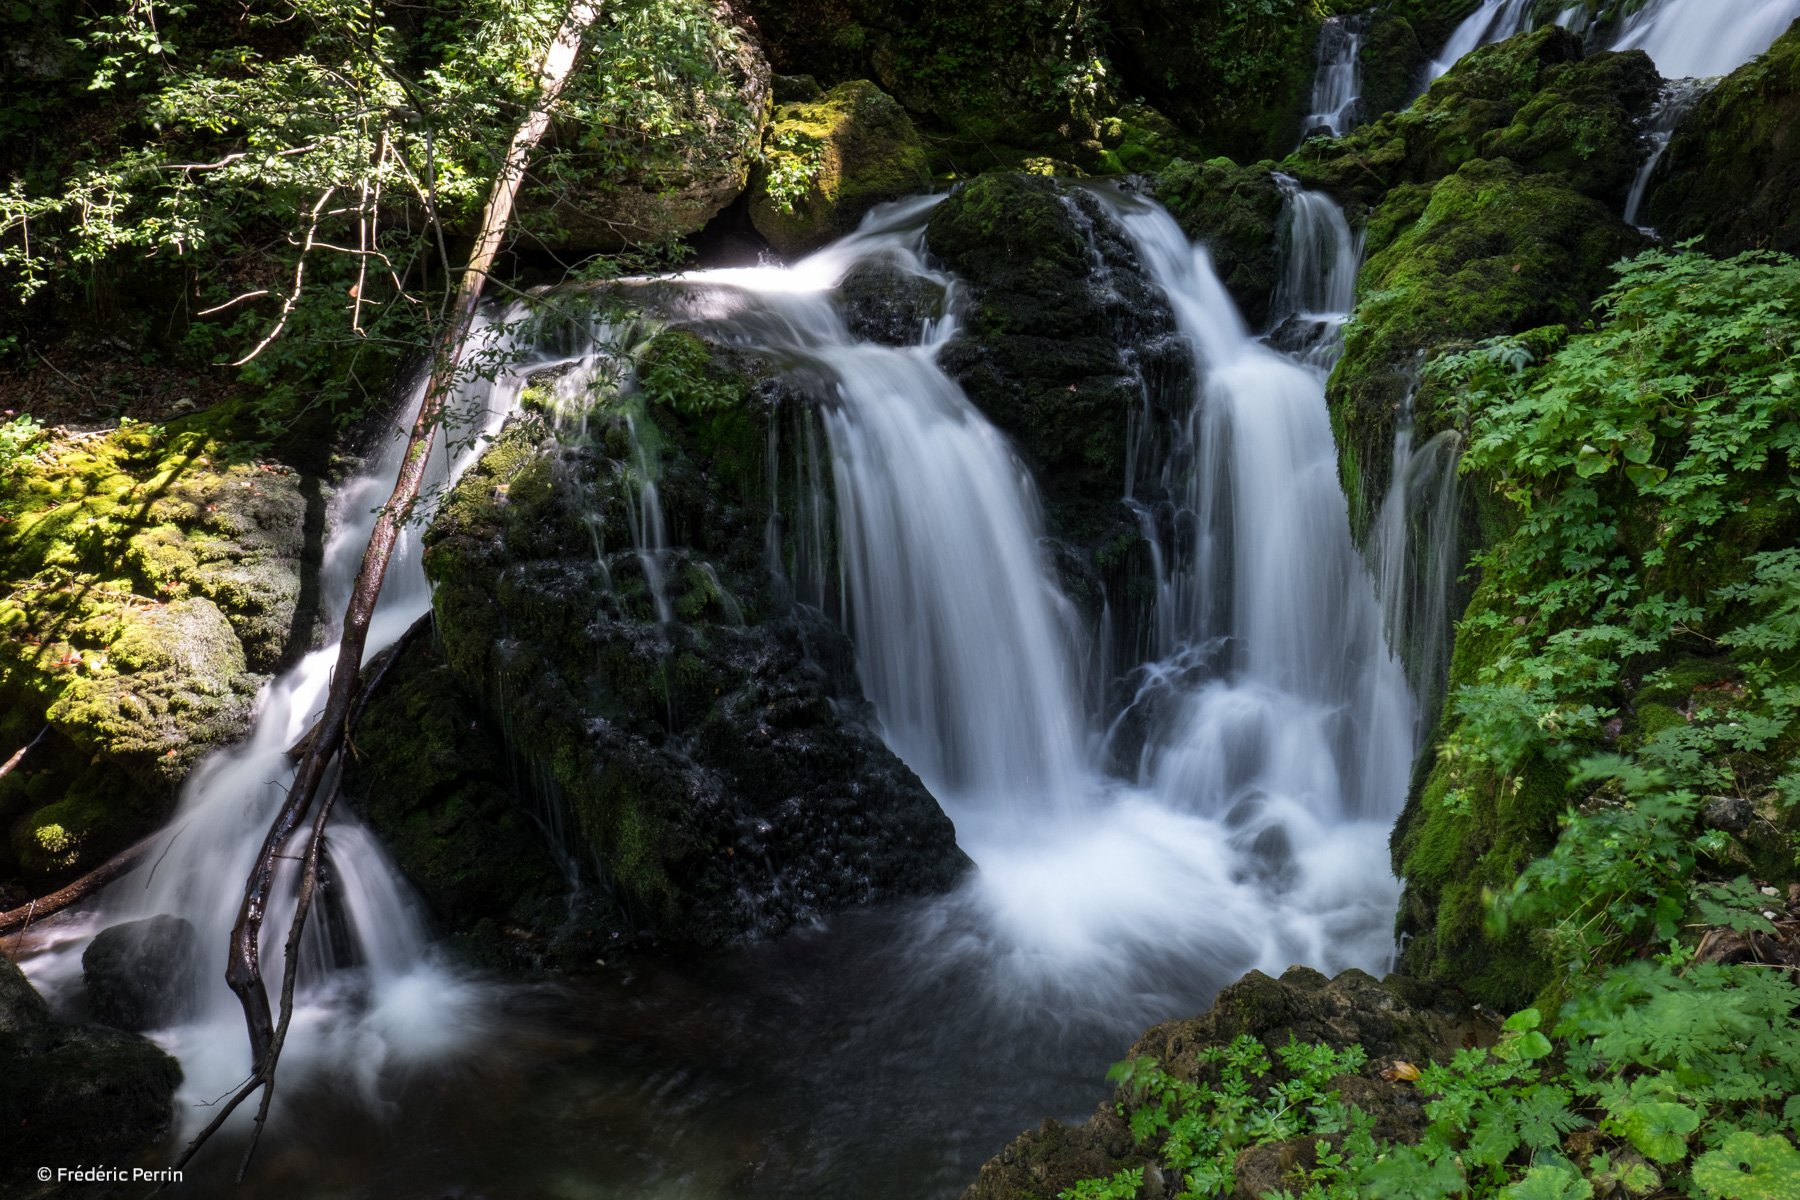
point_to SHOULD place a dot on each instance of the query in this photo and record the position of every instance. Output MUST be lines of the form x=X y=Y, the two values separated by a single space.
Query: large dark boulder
x=1069 y=348
x=75 y=1093
x=679 y=725
x=139 y=975
x=1395 y=1018
x=1732 y=175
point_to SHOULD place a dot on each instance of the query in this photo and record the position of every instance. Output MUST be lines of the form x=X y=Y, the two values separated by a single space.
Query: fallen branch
x=243 y=970
x=81 y=889
x=7 y=766
x=366 y=695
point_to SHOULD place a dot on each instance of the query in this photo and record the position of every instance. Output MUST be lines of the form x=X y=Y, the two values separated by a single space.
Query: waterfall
x=1574 y=18
x=1337 y=85
x=1701 y=39
x=375 y=997
x=1494 y=21
x=1413 y=548
x=1677 y=101
x=1317 y=286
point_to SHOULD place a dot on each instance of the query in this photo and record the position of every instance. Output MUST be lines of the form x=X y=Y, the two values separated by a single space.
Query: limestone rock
x=830 y=161
x=139 y=975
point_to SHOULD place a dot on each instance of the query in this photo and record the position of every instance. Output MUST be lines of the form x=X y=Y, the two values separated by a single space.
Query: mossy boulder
x=699 y=736
x=619 y=188
x=1237 y=212
x=75 y=1093
x=1537 y=99
x=1489 y=250
x=828 y=161
x=1068 y=348
x=1732 y=175
x=1395 y=1018
x=433 y=779
x=152 y=586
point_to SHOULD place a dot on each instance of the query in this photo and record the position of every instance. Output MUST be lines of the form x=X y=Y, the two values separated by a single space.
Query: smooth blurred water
x=1698 y=39
x=889 y=1053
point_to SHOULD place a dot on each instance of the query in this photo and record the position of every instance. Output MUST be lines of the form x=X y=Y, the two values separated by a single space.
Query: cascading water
x=372 y=1000
x=1413 y=548
x=1254 y=834
x=1317 y=287
x=1677 y=101
x=1337 y=85
x=1494 y=21
x=1701 y=39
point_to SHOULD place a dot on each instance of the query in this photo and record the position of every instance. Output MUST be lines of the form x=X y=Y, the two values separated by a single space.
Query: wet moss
x=1732 y=175
x=1486 y=251
x=1237 y=212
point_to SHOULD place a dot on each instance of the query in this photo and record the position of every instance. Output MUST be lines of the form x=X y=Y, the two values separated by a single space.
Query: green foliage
x=16 y=438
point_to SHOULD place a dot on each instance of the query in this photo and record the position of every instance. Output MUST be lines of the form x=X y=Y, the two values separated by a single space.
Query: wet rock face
x=1237 y=212
x=882 y=303
x=85 y=1091
x=1395 y=1018
x=1067 y=347
x=691 y=730
x=1732 y=175
x=140 y=975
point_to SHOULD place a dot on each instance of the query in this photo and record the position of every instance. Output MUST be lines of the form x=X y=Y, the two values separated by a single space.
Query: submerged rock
x=829 y=161
x=84 y=1092
x=1392 y=1019
x=140 y=975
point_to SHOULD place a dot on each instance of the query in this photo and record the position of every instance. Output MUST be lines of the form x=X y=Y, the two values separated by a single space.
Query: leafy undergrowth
x=1632 y=661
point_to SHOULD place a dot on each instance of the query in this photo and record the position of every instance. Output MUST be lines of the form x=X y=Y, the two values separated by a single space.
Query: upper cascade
x=1700 y=39
x=1337 y=87
x=1494 y=21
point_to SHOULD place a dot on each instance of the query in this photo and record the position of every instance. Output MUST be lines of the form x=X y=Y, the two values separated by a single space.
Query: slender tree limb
x=81 y=889
x=7 y=766
x=244 y=967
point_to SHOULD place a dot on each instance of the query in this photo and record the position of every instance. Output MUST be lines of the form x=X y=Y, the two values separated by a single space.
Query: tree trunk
x=244 y=969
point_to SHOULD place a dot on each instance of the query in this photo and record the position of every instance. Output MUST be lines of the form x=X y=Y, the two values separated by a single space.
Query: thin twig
x=287 y=307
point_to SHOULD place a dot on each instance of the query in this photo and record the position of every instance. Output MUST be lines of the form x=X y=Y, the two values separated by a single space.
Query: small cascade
x=1575 y=18
x=1413 y=550
x=1703 y=39
x=648 y=536
x=1317 y=286
x=1677 y=101
x=370 y=996
x=1337 y=85
x=1494 y=21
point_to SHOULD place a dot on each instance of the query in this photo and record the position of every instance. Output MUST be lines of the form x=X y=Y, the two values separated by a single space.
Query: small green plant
x=793 y=163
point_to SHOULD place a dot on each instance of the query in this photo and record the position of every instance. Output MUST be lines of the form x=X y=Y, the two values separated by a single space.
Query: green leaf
x=1591 y=462
x=1749 y=1167
x=1659 y=1130
x=1525 y=1019
x=1553 y=1181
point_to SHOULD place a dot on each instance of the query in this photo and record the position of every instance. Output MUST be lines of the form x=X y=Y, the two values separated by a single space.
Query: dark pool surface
x=878 y=1057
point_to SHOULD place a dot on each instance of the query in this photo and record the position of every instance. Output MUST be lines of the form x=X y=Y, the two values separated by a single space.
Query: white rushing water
x=1494 y=21
x=1677 y=101
x=1255 y=832
x=375 y=1000
x=1277 y=727
x=1699 y=39
x=1337 y=85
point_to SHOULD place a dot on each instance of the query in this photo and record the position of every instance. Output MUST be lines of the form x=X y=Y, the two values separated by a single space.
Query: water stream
x=1337 y=83
x=1701 y=39
x=1494 y=21
x=889 y=1053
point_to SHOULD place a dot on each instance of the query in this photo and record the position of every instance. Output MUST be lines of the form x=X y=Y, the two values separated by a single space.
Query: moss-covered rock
x=701 y=738
x=829 y=161
x=1069 y=349
x=620 y=188
x=1732 y=175
x=1489 y=250
x=433 y=779
x=1396 y=1018
x=1537 y=99
x=75 y=1093
x=1237 y=212
x=152 y=585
